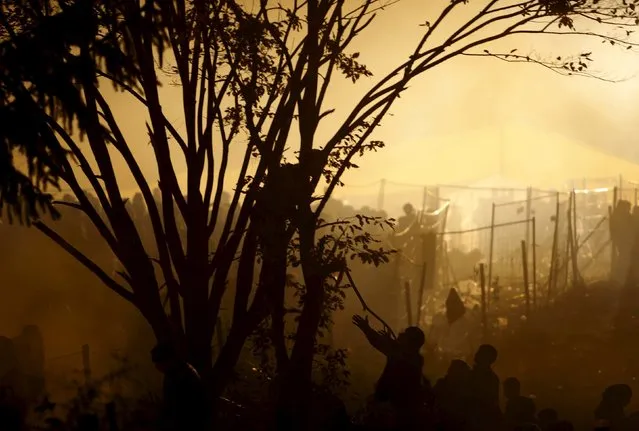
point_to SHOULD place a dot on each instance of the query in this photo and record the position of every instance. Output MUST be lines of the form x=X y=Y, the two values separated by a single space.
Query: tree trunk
x=296 y=387
x=222 y=371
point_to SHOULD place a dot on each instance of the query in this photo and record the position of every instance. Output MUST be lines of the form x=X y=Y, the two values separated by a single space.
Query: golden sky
x=449 y=125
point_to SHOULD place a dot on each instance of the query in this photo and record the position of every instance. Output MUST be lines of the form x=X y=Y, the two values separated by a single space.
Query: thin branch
x=85 y=261
x=552 y=67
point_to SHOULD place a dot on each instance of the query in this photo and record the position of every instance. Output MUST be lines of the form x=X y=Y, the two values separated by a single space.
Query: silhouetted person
x=632 y=278
x=185 y=401
x=88 y=422
x=622 y=235
x=409 y=217
x=484 y=387
x=11 y=417
x=54 y=424
x=519 y=409
x=401 y=380
x=631 y=423
x=562 y=425
x=613 y=402
x=452 y=395
x=11 y=377
x=329 y=412
x=526 y=427
x=484 y=381
x=546 y=418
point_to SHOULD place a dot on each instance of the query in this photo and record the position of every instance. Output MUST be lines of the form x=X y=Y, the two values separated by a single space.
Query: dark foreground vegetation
x=555 y=373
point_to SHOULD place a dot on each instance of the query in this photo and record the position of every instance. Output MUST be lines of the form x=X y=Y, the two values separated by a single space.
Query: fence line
x=478 y=229
x=523 y=201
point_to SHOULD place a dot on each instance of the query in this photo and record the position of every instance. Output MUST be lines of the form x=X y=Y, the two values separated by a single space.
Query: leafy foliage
x=49 y=50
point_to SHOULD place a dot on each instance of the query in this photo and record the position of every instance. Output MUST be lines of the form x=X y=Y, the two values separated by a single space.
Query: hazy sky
x=449 y=125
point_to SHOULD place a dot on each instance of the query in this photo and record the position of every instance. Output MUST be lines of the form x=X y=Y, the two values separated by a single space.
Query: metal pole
x=86 y=364
x=380 y=196
x=424 y=203
x=482 y=283
x=551 y=275
x=524 y=264
x=409 y=305
x=534 y=262
x=422 y=287
x=528 y=211
x=492 y=242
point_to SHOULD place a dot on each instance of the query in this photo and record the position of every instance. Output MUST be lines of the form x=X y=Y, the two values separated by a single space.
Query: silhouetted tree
x=250 y=77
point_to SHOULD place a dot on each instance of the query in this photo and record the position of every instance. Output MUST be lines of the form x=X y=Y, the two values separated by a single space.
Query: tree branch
x=85 y=261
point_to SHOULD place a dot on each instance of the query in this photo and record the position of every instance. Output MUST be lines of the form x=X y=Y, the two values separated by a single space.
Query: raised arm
x=381 y=341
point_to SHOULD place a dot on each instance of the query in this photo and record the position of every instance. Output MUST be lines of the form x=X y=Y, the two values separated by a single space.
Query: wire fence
x=68 y=372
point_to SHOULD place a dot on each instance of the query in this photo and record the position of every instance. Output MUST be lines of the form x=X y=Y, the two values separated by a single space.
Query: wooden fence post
x=524 y=264
x=484 y=318
x=409 y=305
x=422 y=287
x=528 y=213
x=553 y=264
x=380 y=195
x=86 y=363
x=492 y=243
x=534 y=262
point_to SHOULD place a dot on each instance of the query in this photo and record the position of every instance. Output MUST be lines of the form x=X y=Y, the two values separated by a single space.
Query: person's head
x=164 y=356
x=88 y=422
x=619 y=394
x=563 y=425
x=54 y=424
x=411 y=339
x=409 y=209
x=623 y=207
x=31 y=332
x=458 y=369
x=546 y=417
x=486 y=355
x=8 y=355
x=512 y=387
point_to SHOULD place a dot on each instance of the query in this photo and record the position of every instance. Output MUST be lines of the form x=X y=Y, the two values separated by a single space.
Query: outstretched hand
x=361 y=322
x=385 y=333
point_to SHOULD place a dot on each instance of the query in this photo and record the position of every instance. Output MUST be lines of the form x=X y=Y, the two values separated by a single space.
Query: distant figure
x=632 y=278
x=614 y=400
x=88 y=422
x=401 y=381
x=11 y=416
x=622 y=235
x=29 y=347
x=455 y=308
x=329 y=412
x=562 y=425
x=452 y=395
x=519 y=409
x=526 y=427
x=185 y=401
x=409 y=217
x=547 y=418
x=632 y=422
x=11 y=376
x=8 y=358
x=54 y=424
x=495 y=289
x=483 y=379
x=484 y=386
